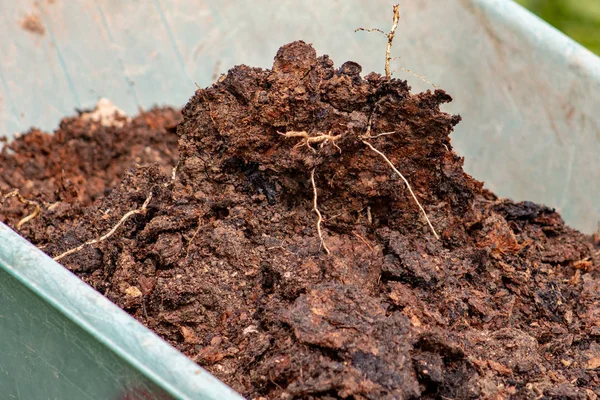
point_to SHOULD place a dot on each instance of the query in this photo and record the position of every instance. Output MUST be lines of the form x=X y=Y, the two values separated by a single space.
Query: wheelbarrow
x=530 y=130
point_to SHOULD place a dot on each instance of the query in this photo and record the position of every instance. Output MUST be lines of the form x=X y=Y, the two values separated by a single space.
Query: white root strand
x=316 y=210
x=407 y=185
x=110 y=233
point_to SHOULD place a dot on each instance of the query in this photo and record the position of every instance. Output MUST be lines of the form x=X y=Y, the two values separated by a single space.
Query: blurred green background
x=579 y=19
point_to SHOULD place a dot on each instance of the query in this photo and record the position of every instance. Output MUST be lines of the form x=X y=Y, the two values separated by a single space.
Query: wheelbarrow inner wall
x=527 y=94
x=531 y=129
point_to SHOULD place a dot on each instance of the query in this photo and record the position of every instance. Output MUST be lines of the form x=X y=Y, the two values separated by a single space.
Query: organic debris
x=227 y=263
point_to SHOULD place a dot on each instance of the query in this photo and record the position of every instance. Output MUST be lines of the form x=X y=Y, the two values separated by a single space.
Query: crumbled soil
x=82 y=160
x=225 y=263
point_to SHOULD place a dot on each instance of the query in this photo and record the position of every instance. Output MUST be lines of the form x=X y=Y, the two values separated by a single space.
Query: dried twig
x=390 y=38
x=407 y=185
x=316 y=210
x=110 y=233
x=388 y=50
x=35 y=213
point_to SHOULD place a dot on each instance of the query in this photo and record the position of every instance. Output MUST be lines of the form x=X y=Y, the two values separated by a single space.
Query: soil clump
x=226 y=263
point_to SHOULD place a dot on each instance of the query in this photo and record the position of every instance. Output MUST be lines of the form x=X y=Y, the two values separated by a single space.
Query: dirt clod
x=227 y=264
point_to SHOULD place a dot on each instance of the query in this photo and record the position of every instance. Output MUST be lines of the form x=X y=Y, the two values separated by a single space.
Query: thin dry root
x=370 y=30
x=362 y=239
x=316 y=210
x=407 y=185
x=110 y=233
x=381 y=134
x=421 y=77
x=31 y=216
x=187 y=251
x=35 y=213
x=308 y=140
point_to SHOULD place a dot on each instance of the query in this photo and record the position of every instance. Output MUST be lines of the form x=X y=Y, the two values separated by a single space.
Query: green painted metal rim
x=541 y=35
x=117 y=331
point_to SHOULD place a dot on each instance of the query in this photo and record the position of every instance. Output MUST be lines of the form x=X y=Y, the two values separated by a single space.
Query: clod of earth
x=227 y=264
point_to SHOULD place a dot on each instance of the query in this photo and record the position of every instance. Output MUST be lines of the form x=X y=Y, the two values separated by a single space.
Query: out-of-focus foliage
x=579 y=19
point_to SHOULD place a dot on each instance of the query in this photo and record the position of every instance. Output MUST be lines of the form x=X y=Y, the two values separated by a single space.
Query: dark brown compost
x=226 y=263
